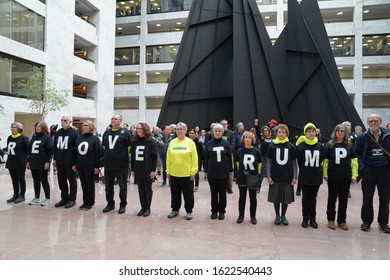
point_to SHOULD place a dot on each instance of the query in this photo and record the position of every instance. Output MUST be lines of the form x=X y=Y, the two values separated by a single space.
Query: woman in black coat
x=17 y=147
x=39 y=154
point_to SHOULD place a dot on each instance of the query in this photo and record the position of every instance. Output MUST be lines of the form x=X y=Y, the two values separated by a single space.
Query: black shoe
x=313 y=223
x=305 y=223
x=60 y=204
x=141 y=212
x=298 y=193
x=240 y=219
x=108 y=208
x=20 y=199
x=70 y=204
x=365 y=226
x=385 y=228
x=88 y=207
x=122 y=210
x=12 y=199
x=82 y=207
x=146 y=213
x=213 y=215
x=221 y=216
x=253 y=220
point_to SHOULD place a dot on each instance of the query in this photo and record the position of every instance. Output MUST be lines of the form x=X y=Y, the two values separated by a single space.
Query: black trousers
x=242 y=201
x=121 y=177
x=18 y=177
x=340 y=190
x=65 y=174
x=87 y=178
x=164 y=166
x=218 y=194
x=40 y=177
x=181 y=185
x=309 y=200
x=145 y=192
x=378 y=177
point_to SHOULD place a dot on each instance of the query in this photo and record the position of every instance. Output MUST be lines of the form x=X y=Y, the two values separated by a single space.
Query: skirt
x=281 y=193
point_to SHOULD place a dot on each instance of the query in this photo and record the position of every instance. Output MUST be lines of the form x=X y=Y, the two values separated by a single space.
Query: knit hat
x=307 y=126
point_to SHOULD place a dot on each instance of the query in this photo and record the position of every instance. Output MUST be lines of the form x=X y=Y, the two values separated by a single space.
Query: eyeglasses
x=13 y=127
x=340 y=130
x=64 y=120
x=180 y=129
x=139 y=127
x=373 y=121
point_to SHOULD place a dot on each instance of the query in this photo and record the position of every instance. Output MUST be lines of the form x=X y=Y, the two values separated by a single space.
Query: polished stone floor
x=36 y=232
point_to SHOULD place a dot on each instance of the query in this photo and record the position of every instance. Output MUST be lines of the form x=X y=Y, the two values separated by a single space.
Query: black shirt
x=116 y=149
x=40 y=149
x=88 y=151
x=143 y=157
x=218 y=159
x=310 y=159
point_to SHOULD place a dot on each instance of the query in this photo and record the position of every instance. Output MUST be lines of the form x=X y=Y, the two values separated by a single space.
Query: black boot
x=13 y=198
x=313 y=222
x=305 y=222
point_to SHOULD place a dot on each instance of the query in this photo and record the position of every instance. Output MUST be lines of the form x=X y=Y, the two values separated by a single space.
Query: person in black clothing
x=116 y=142
x=218 y=171
x=17 y=146
x=265 y=141
x=340 y=170
x=87 y=163
x=281 y=173
x=53 y=130
x=143 y=165
x=229 y=136
x=40 y=150
x=372 y=149
x=64 y=159
x=248 y=160
x=167 y=137
x=200 y=152
x=310 y=156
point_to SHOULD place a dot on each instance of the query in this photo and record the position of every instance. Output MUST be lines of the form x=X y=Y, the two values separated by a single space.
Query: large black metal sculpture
x=227 y=68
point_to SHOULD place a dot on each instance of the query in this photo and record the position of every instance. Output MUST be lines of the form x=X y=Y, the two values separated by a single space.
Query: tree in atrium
x=41 y=92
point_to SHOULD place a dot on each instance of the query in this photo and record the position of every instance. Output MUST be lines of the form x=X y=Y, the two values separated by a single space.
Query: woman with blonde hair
x=248 y=160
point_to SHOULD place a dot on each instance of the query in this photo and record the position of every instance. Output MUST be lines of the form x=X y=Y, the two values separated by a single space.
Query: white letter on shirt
x=139 y=152
x=285 y=158
x=218 y=150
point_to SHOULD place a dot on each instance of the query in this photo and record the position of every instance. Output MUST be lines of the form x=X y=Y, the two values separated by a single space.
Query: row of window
x=21 y=24
x=155 y=103
x=133 y=7
x=341 y=46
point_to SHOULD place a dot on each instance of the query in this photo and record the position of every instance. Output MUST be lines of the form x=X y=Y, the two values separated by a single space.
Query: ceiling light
x=266 y=17
x=340 y=13
x=157 y=73
x=375 y=36
x=127 y=7
x=366 y=11
x=331 y=42
x=137 y=74
x=178 y=23
x=340 y=67
x=366 y=67
x=119 y=75
x=120 y=28
x=138 y=26
x=348 y=38
x=158 y=25
x=369 y=41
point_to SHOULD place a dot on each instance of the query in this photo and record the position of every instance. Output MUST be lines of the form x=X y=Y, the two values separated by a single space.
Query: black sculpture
x=227 y=68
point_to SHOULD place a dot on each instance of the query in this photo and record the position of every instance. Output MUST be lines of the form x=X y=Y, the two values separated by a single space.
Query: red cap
x=272 y=122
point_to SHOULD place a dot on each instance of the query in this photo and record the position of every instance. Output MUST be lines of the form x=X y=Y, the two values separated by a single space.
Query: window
x=161 y=54
x=343 y=45
x=126 y=78
x=378 y=44
x=160 y=77
x=127 y=56
x=153 y=103
x=12 y=71
x=126 y=103
x=373 y=100
x=21 y=24
x=128 y=8
x=159 y=6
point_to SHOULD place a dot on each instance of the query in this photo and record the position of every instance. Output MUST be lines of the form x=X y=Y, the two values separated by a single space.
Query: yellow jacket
x=182 y=158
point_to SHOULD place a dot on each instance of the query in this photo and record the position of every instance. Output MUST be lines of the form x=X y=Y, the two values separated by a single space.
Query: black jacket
x=40 y=150
x=17 y=152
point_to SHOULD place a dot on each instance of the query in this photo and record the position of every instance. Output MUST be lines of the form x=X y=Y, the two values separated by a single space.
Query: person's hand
x=152 y=175
x=54 y=163
x=96 y=170
x=74 y=168
x=192 y=178
x=47 y=166
x=353 y=181
x=28 y=166
x=294 y=182
x=205 y=176
x=326 y=179
x=256 y=122
x=270 y=181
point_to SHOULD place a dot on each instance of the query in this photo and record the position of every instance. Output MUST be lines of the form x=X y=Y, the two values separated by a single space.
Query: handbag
x=252 y=181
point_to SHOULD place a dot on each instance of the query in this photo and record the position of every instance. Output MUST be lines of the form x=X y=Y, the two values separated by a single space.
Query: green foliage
x=41 y=92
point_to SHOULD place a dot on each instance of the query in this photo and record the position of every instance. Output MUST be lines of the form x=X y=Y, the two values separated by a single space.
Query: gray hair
x=182 y=125
x=218 y=126
x=19 y=126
